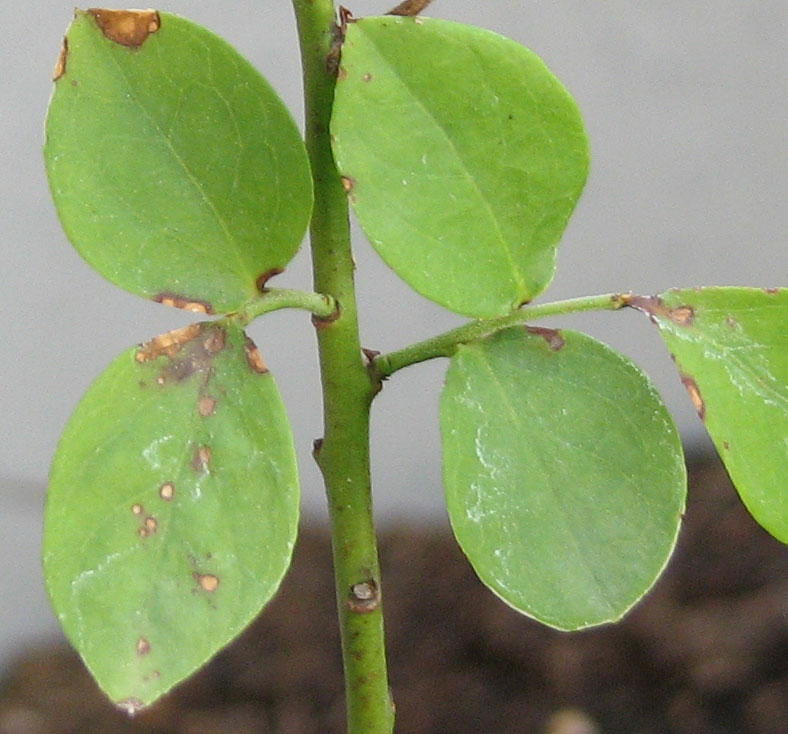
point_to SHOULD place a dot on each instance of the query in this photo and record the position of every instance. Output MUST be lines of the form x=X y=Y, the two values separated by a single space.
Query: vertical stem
x=343 y=454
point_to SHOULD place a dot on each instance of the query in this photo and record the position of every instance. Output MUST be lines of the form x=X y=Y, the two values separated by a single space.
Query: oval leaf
x=172 y=509
x=731 y=349
x=176 y=170
x=564 y=474
x=464 y=157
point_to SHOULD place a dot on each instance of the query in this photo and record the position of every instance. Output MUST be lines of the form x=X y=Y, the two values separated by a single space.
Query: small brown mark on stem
x=321 y=322
x=553 y=337
x=262 y=280
x=142 y=647
x=167 y=491
x=201 y=459
x=195 y=305
x=60 y=66
x=363 y=597
x=127 y=27
x=253 y=357
x=206 y=406
x=207 y=581
x=695 y=396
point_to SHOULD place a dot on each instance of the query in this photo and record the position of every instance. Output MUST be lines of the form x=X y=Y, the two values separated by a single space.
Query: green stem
x=273 y=299
x=348 y=389
x=444 y=345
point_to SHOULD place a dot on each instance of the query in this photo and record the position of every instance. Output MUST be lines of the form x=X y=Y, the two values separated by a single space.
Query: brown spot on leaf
x=167 y=491
x=201 y=459
x=188 y=354
x=126 y=27
x=363 y=597
x=348 y=183
x=654 y=307
x=207 y=581
x=168 y=344
x=695 y=396
x=771 y=291
x=136 y=509
x=206 y=406
x=195 y=305
x=553 y=337
x=142 y=647
x=726 y=445
x=253 y=356
x=367 y=77
x=151 y=524
x=683 y=315
x=263 y=279
x=143 y=532
x=130 y=706
x=60 y=66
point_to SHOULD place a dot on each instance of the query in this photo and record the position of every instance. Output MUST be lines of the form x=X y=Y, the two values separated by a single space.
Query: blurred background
x=686 y=107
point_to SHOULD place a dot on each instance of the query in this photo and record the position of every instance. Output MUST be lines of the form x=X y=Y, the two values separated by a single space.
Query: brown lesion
x=202 y=459
x=654 y=307
x=60 y=66
x=127 y=27
x=364 y=597
x=207 y=581
x=552 y=336
x=694 y=392
x=261 y=282
x=195 y=305
x=253 y=356
x=409 y=7
x=167 y=345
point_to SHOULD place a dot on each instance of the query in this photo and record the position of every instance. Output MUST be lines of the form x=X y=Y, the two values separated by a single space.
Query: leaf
x=176 y=170
x=172 y=509
x=564 y=474
x=464 y=157
x=730 y=346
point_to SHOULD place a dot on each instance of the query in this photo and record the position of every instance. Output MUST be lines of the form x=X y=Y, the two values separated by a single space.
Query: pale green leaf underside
x=465 y=155
x=175 y=168
x=564 y=474
x=731 y=349
x=172 y=509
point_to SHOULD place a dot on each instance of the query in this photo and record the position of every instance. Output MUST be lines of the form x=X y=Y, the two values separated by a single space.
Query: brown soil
x=705 y=653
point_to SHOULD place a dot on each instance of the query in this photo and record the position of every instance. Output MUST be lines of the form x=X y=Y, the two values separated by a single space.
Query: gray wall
x=686 y=109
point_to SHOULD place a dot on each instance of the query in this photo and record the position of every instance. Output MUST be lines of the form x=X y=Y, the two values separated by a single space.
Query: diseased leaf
x=464 y=157
x=730 y=346
x=176 y=170
x=564 y=474
x=172 y=509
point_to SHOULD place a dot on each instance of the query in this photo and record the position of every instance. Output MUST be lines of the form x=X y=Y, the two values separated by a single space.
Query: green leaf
x=564 y=474
x=464 y=157
x=730 y=346
x=172 y=509
x=176 y=170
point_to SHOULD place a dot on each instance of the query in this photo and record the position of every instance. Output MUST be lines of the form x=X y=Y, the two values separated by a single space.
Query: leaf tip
x=126 y=27
x=130 y=706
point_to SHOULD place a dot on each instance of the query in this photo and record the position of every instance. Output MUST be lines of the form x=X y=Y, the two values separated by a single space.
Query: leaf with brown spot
x=162 y=174
x=125 y=501
x=730 y=346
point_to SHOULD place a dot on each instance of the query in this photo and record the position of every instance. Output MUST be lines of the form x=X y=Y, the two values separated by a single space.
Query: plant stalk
x=348 y=389
x=444 y=345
